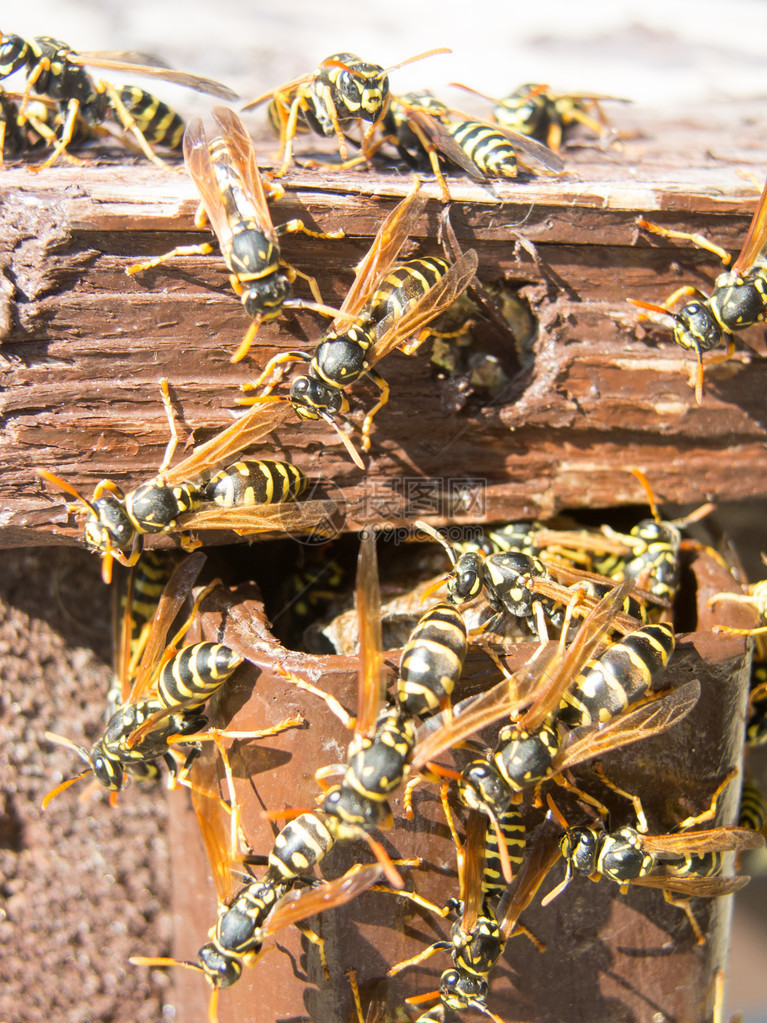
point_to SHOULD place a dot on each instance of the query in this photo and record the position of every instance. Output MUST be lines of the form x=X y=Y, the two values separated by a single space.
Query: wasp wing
x=541 y=857
x=288 y=87
x=243 y=154
x=445 y=730
x=394 y=328
x=652 y=718
x=201 y=170
x=265 y=415
x=391 y=236
x=756 y=237
x=320 y=517
x=130 y=61
x=695 y=843
x=176 y=591
x=371 y=681
x=705 y=887
x=214 y=819
x=471 y=869
x=298 y=905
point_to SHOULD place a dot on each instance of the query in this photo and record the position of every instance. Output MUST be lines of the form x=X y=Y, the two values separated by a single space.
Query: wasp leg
x=710 y=813
x=367 y=422
x=633 y=799
x=697 y=239
x=287 y=134
x=684 y=904
x=128 y=122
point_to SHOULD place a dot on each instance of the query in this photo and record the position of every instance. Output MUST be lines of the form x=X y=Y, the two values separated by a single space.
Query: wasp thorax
x=482 y=788
x=524 y=758
x=622 y=857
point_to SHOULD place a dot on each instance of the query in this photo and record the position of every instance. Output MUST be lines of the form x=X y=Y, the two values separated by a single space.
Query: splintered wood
x=596 y=392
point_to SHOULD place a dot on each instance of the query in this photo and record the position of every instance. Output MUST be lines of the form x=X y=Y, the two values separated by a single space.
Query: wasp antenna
x=163 y=961
x=435 y=535
x=354 y=454
x=392 y=874
x=247 y=341
x=648 y=490
x=556 y=812
x=412 y=60
x=559 y=888
x=57 y=481
x=61 y=788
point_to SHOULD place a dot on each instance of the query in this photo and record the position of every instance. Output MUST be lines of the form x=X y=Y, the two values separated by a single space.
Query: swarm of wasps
x=599 y=602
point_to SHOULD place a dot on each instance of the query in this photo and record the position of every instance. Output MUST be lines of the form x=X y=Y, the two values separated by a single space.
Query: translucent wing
x=478 y=712
x=650 y=719
x=391 y=236
x=472 y=865
x=200 y=168
x=695 y=843
x=371 y=681
x=130 y=61
x=298 y=905
x=214 y=821
x=319 y=517
x=251 y=428
x=705 y=887
x=395 y=329
x=176 y=591
x=756 y=237
x=539 y=860
x=243 y=154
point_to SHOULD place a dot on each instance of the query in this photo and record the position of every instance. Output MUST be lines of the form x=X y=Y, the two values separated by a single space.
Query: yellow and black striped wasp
x=233 y=199
x=386 y=306
x=488 y=911
x=550 y=117
x=164 y=686
x=206 y=490
x=533 y=749
x=682 y=862
x=737 y=301
x=250 y=913
x=424 y=130
x=341 y=90
x=54 y=70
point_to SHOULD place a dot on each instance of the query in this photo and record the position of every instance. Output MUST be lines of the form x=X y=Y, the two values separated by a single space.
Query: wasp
x=533 y=750
x=432 y=661
x=384 y=307
x=737 y=301
x=650 y=552
x=488 y=914
x=53 y=69
x=755 y=597
x=424 y=129
x=550 y=117
x=162 y=702
x=341 y=90
x=684 y=862
x=225 y=173
x=521 y=585
x=250 y=913
x=206 y=490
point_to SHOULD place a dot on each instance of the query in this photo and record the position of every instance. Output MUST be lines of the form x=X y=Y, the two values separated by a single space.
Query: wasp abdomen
x=432 y=661
x=256 y=482
x=195 y=673
x=622 y=675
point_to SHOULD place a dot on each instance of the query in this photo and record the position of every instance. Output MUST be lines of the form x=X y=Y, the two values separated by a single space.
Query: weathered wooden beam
x=84 y=346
